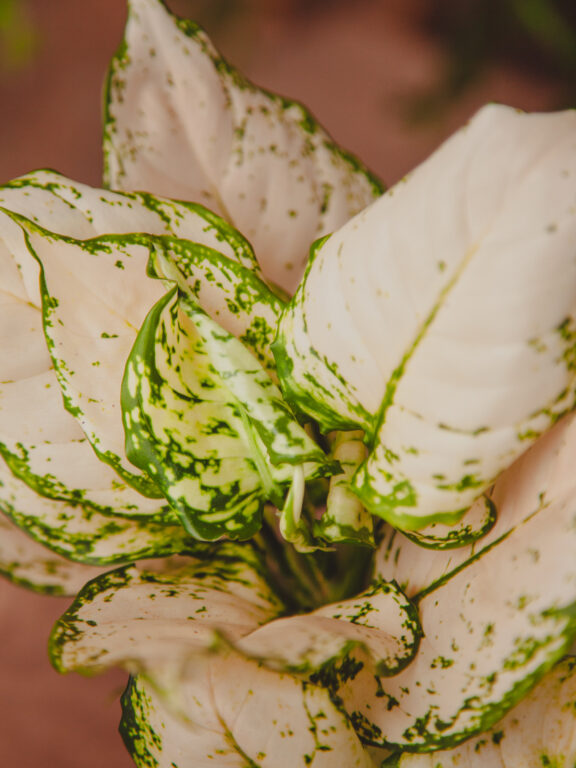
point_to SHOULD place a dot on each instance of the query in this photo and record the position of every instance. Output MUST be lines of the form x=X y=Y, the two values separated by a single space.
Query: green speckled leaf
x=83 y=534
x=441 y=319
x=539 y=732
x=285 y=440
x=207 y=423
x=76 y=210
x=186 y=705
x=233 y=295
x=159 y=615
x=472 y=526
x=381 y=620
x=182 y=122
x=494 y=627
x=185 y=431
x=28 y=564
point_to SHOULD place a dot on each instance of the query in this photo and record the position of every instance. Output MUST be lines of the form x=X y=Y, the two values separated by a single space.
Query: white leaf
x=441 y=319
x=381 y=620
x=181 y=122
x=190 y=706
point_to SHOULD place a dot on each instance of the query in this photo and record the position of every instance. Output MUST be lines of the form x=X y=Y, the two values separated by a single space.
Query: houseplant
x=289 y=613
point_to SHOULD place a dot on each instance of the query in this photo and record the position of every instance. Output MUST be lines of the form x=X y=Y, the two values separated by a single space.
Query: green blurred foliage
x=19 y=37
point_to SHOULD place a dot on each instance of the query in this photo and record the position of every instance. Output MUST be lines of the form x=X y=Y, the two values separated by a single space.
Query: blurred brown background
x=388 y=78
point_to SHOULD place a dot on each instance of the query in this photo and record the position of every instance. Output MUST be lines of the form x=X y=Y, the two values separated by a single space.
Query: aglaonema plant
x=307 y=444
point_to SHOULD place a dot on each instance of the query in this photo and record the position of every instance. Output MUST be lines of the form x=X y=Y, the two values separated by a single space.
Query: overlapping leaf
x=381 y=620
x=229 y=290
x=202 y=413
x=182 y=122
x=227 y=707
x=492 y=628
x=182 y=606
x=530 y=484
x=205 y=420
x=428 y=320
x=42 y=443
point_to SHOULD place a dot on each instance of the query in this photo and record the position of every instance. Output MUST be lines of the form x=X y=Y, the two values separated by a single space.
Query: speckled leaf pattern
x=540 y=731
x=83 y=534
x=285 y=440
x=444 y=345
x=493 y=628
x=29 y=564
x=45 y=445
x=161 y=614
x=240 y=716
x=538 y=476
x=207 y=423
x=232 y=294
x=381 y=620
x=182 y=122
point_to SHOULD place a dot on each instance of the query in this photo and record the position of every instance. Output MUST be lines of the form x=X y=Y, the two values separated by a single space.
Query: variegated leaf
x=29 y=564
x=492 y=628
x=441 y=319
x=540 y=731
x=207 y=423
x=160 y=615
x=42 y=443
x=184 y=123
x=381 y=620
x=476 y=522
x=240 y=715
x=189 y=707
x=82 y=533
x=285 y=440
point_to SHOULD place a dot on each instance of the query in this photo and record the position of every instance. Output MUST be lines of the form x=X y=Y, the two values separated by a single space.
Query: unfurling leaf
x=206 y=421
